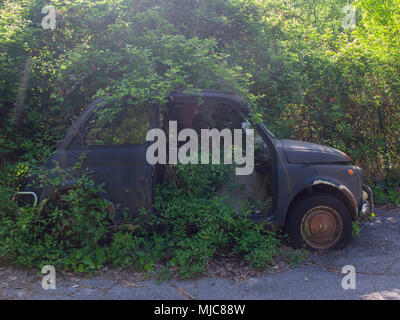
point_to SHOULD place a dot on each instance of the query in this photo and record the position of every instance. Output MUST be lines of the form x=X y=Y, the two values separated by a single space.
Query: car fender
x=327 y=184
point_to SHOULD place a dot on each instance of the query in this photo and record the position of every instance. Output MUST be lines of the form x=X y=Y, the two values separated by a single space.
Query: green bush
x=309 y=78
x=67 y=231
x=199 y=224
x=387 y=192
x=72 y=230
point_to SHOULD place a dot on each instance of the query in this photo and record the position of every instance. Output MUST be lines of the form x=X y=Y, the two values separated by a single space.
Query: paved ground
x=375 y=255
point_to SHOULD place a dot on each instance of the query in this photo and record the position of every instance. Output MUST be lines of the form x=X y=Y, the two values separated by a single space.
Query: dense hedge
x=310 y=78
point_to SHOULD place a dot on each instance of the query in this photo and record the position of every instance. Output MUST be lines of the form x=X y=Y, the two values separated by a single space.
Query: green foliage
x=118 y=126
x=72 y=230
x=356 y=229
x=387 y=193
x=139 y=251
x=66 y=231
x=200 y=225
x=297 y=257
x=307 y=76
x=201 y=181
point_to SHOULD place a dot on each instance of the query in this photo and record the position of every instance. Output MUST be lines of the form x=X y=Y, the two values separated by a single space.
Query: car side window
x=118 y=126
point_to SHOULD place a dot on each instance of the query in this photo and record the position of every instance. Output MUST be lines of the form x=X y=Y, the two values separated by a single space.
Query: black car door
x=116 y=156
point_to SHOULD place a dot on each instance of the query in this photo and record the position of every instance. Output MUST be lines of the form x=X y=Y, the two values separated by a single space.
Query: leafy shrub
x=356 y=229
x=199 y=224
x=310 y=78
x=297 y=257
x=72 y=230
x=194 y=225
x=387 y=192
x=66 y=231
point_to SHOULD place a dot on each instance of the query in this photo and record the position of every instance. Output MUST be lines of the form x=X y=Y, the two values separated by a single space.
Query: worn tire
x=319 y=222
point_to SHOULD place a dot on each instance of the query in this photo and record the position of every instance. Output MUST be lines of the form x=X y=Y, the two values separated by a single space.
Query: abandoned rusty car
x=315 y=191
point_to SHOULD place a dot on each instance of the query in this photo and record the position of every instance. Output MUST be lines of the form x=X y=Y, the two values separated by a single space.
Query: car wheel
x=320 y=222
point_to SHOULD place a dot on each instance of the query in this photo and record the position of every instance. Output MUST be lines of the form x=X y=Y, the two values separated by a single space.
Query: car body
x=299 y=172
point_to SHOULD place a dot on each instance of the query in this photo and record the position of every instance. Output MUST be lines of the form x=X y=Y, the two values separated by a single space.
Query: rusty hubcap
x=321 y=227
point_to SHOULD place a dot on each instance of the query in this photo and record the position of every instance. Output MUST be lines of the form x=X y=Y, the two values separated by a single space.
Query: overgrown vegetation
x=307 y=77
x=310 y=78
x=73 y=230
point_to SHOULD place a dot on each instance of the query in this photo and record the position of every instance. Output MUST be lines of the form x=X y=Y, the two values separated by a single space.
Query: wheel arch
x=340 y=192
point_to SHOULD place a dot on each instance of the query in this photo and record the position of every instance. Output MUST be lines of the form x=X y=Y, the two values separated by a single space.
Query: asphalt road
x=375 y=256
